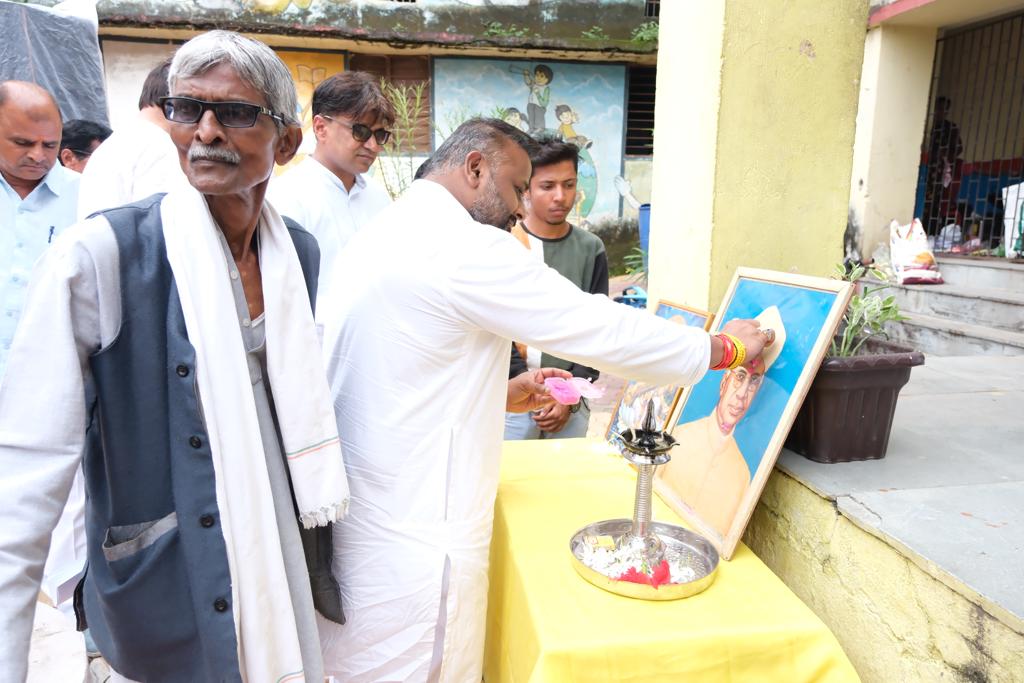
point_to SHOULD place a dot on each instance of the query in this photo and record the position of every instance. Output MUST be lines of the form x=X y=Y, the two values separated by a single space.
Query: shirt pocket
x=124 y=542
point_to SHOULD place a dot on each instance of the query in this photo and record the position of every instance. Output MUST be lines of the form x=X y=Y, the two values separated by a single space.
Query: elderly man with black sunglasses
x=169 y=345
x=329 y=193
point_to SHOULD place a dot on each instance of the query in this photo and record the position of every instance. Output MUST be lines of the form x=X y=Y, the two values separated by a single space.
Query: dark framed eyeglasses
x=362 y=132
x=80 y=153
x=229 y=114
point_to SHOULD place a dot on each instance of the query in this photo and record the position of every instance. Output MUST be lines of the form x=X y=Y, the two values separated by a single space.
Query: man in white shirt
x=37 y=195
x=424 y=305
x=136 y=161
x=329 y=193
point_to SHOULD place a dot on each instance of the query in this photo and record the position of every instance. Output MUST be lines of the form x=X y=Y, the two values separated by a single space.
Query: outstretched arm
x=527 y=392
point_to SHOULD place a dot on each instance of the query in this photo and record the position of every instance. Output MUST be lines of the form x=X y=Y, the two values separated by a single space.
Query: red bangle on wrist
x=728 y=353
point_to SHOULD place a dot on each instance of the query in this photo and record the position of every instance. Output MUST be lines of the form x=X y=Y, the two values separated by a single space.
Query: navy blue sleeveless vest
x=157 y=591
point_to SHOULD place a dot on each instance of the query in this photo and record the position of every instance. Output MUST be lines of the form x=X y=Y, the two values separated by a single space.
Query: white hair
x=255 y=63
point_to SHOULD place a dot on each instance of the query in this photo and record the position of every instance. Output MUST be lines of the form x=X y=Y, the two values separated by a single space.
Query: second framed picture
x=629 y=411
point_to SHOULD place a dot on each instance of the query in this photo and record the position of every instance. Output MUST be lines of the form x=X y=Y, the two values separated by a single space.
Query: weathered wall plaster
x=599 y=26
x=754 y=126
x=895 y=621
x=785 y=135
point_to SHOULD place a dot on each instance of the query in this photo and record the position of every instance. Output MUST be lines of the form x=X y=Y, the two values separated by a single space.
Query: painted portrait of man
x=708 y=470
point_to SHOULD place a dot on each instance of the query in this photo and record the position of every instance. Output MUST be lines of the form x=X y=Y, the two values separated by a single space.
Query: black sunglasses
x=229 y=114
x=362 y=133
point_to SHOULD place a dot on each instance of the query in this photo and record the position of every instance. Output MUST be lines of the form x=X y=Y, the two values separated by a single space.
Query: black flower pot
x=848 y=412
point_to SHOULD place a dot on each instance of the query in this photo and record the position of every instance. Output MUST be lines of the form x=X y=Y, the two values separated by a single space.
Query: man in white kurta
x=329 y=193
x=424 y=306
x=137 y=160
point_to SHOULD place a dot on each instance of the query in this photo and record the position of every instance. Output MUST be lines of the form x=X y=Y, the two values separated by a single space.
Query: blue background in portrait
x=477 y=87
x=692 y=319
x=804 y=312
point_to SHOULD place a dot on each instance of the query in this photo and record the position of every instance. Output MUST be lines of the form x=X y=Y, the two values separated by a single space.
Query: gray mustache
x=198 y=151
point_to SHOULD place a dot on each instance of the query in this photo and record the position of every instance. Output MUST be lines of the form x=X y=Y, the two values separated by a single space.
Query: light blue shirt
x=27 y=227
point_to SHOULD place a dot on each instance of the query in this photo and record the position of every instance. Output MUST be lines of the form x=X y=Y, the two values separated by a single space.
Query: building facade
x=578 y=70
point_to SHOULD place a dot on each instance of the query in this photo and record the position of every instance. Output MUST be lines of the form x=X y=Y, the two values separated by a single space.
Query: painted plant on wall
x=580 y=103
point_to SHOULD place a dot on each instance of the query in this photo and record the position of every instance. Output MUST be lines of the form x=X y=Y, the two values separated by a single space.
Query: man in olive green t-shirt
x=578 y=255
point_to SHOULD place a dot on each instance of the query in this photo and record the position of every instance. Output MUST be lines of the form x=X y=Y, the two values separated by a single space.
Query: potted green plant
x=849 y=408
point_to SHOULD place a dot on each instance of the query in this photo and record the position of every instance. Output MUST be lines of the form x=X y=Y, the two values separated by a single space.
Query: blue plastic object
x=645 y=230
x=633 y=296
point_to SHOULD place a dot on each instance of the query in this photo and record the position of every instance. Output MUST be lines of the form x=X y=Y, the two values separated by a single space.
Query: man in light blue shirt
x=38 y=196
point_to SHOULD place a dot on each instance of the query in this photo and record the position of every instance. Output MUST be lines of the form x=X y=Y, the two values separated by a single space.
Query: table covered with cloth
x=546 y=624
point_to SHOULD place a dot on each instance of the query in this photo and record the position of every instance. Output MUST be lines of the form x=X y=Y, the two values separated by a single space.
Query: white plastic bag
x=912 y=261
x=1013 y=211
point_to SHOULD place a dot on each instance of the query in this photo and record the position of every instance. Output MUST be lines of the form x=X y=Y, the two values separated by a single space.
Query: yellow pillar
x=753 y=139
x=890 y=126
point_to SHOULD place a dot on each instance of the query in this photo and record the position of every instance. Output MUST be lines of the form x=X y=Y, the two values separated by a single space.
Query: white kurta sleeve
x=496 y=286
x=42 y=418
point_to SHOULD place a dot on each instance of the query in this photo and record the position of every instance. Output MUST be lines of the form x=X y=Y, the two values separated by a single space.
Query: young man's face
x=552 y=192
x=540 y=77
x=337 y=136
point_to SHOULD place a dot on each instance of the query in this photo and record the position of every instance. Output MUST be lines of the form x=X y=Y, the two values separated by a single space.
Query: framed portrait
x=629 y=410
x=731 y=425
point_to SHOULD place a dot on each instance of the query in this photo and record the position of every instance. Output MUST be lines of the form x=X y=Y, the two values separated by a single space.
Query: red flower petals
x=661 y=575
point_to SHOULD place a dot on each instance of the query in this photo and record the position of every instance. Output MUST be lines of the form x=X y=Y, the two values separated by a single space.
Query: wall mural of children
x=581 y=102
x=569 y=116
x=514 y=117
x=540 y=95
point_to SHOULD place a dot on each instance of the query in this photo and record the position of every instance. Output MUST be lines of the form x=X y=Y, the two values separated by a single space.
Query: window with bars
x=640 y=111
x=404 y=71
x=973 y=146
x=652 y=8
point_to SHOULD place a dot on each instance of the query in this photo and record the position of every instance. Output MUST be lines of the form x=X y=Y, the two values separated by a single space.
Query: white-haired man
x=170 y=346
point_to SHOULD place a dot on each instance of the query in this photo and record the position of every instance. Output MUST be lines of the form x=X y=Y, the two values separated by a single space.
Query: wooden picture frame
x=728 y=441
x=632 y=401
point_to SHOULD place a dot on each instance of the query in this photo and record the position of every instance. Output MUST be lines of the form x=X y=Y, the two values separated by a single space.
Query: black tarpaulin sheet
x=59 y=52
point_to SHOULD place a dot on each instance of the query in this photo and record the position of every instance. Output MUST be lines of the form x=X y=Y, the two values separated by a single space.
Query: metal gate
x=969 y=192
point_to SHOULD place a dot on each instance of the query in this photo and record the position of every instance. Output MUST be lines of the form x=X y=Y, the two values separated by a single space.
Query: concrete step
x=988 y=272
x=988 y=307
x=944 y=337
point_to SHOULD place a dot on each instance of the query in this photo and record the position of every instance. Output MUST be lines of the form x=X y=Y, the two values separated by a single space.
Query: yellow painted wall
x=785 y=142
x=754 y=126
x=890 y=125
x=894 y=617
x=685 y=137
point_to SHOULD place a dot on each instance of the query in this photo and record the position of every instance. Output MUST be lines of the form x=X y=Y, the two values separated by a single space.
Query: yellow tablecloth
x=546 y=624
